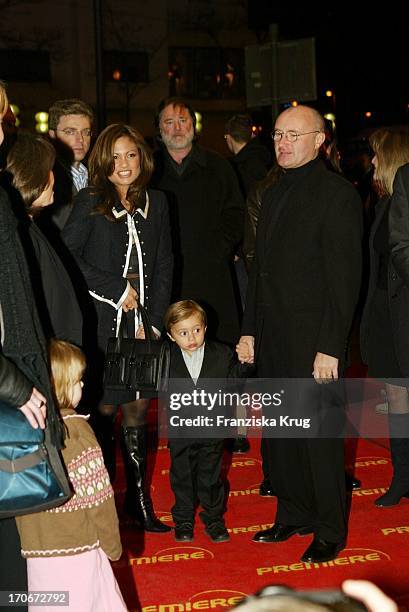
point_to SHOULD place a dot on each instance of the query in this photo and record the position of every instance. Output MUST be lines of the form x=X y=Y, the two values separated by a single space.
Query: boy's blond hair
x=67 y=368
x=182 y=310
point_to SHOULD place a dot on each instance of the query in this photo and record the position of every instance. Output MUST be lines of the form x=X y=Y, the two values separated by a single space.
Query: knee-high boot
x=138 y=503
x=103 y=426
x=399 y=487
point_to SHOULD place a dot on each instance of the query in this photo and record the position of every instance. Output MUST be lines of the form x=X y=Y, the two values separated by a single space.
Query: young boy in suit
x=195 y=471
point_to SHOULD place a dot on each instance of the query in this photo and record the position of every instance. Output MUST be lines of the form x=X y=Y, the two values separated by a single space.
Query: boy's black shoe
x=241 y=445
x=184 y=532
x=266 y=490
x=217 y=532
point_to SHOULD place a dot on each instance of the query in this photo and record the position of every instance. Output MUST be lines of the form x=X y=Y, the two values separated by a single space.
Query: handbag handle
x=123 y=329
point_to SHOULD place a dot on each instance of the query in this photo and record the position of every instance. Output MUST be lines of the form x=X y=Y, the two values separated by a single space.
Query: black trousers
x=308 y=477
x=195 y=475
x=13 y=568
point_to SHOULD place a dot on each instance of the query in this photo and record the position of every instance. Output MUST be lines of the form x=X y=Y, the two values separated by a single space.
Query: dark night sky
x=362 y=54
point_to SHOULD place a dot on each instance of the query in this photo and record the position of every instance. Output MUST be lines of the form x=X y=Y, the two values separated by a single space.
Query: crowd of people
x=253 y=266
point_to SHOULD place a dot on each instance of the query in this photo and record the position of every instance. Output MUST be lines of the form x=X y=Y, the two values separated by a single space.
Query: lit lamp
x=330 y=117
x=330 y=94
x=41 y=122
x=368 y=115
x=198 y=126
x=294 y=103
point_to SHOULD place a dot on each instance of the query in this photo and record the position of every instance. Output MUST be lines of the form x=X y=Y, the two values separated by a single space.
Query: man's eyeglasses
x=72 y=132
x=291 y=135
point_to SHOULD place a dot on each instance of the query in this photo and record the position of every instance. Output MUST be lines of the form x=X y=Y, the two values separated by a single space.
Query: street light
x=330 y=94
x=41 y=122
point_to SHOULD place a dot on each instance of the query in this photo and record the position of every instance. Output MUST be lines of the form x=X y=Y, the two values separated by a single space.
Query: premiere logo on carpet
x=174 y=555
x=366 y=555
x=368 y=492
x=250 y=529
x=371 y=461
x=205 y=600
x=251 y=490
x=388 y=530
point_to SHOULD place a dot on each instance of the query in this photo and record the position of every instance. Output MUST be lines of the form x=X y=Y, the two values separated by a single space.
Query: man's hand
x=131 y=300
x=35 y=409
x=325 y=368
x=245 y=349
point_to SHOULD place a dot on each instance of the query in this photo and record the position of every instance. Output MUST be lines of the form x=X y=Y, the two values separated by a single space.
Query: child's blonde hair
x=182 y=310
x=67 y=368
x=4 y=103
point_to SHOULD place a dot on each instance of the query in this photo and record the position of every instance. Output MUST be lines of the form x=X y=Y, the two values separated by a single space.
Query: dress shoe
x=351 y=482
x=320 y=551
x=241 y=445
x=280 y=533
x=217 y=532
x=266 y=490
x=184 y=532
x=392 y=496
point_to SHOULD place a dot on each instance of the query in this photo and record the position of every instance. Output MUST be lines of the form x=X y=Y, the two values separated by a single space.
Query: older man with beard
x=206 y=210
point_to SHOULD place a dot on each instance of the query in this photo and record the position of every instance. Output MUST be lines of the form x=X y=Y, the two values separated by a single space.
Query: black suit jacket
x=218 y=362
x=304 y=284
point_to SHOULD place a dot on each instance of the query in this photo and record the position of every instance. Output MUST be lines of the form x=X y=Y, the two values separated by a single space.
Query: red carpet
x=156 y=574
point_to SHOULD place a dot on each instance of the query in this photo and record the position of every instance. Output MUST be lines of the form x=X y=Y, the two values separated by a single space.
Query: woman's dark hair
x=101 y=166
x=29 y=162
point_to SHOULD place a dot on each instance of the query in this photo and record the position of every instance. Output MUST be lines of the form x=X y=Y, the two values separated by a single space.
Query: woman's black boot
x=399 y=487
x=138 y=503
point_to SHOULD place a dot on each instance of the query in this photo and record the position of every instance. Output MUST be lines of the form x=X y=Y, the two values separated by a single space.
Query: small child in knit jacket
x=68 y=548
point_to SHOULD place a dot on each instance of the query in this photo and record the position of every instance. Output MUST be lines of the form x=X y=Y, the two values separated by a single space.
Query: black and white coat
x=102 y=250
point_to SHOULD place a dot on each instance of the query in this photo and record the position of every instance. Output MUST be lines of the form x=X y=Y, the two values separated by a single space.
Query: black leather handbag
x=32 y=475
x=139 y=365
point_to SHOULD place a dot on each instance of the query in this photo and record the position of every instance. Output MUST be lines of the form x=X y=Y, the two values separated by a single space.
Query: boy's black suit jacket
x=218 y=362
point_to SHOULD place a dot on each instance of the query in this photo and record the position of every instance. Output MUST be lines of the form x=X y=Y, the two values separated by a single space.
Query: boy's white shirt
x=194 y=362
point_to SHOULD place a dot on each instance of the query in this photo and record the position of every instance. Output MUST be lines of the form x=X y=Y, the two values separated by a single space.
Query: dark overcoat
x=306 y=276
x=206 y=211
x=398 y=286
x=380 y=211
x=252 y=163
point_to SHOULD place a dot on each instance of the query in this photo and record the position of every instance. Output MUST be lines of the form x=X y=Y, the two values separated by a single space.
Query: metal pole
x=274 y=70
x=99 y=74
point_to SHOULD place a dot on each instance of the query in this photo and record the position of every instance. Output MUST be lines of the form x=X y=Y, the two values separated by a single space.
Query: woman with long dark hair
x=119 y=234
x=384 y=343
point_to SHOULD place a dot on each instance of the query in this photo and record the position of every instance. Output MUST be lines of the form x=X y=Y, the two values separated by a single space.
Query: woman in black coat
x=118 y=233
x=30 y=189
x=23 y=363
x=385 y=324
